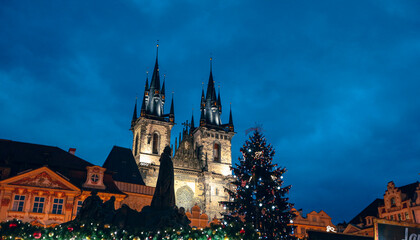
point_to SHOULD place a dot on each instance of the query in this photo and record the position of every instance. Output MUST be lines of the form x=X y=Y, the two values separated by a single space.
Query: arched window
x=155 y=147
x=216 y=152
x=136 y=145
x=393 y=202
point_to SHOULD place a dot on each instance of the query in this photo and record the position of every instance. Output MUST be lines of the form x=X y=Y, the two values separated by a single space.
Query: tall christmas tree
x=258 y=196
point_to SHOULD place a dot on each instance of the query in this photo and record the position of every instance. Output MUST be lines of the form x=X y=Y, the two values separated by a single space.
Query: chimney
x=72 y=150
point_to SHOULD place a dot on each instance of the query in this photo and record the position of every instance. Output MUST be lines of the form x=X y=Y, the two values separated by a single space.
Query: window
x=58 y=206
x=393 y=202
x=216 y=152
x=399 y=216
x=38 y=205
x=392 y=217
x=18 y=203
x=94 y=178
x=407 y=216
x=155 y=148
x=217 y=192
x=136 y=145
x=79 y=206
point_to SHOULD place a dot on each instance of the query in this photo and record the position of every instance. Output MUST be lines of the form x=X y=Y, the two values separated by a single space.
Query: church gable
x=186 y=156
x=41 y=178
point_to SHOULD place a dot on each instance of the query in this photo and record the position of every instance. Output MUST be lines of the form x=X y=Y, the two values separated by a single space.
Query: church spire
x=143 y=106
x=155 y=83
x=231 y=128
x=134 y=113
x=163 y=85
x=219 y=103
x=146 y=87
x=172 y=112
x=210 y=86
x=192 y=127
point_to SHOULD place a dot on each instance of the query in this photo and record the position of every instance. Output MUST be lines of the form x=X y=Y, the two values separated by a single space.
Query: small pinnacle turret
x=172 y=112
x=163 y=87
x=133 y=120
x=192 y=127
x=231 y=128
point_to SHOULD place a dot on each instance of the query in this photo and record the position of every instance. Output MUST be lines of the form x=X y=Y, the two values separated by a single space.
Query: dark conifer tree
x=258 y=196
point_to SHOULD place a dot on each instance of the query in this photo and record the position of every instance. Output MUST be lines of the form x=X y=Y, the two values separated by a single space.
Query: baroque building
x=314 y=221
x=46 y=186
x=201 y=155
x=400 y=204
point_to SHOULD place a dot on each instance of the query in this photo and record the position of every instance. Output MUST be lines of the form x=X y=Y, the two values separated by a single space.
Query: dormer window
x=95 y=177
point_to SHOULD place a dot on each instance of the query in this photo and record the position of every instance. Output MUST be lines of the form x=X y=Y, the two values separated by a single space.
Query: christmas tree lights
x=258 y=196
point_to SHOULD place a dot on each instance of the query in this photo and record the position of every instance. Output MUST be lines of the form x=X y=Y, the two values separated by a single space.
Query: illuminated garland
x=16 y=229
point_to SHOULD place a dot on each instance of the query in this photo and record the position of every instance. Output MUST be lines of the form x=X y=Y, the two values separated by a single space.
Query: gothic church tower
x=152 y=130
x=202 y=155
x=203 y=159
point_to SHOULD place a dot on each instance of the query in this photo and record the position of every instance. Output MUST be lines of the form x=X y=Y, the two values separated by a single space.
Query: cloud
x=334 y=84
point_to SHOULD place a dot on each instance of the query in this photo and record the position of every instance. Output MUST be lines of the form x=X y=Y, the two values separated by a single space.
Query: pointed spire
x=146 y=87
x=172 y=105
x=202 y=118
x=172 y=112
x=163 y=85
x=210 y=86
x=203 y=98
x=135 y=112
x=155 y=83
x=219 y=102
x=143 y=106
x=192 y=127
x=231 y=119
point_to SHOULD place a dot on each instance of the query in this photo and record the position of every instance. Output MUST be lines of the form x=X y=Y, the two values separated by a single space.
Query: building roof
x=371 y=210
x=121 y=161
x=21 y=157
x=409 y=191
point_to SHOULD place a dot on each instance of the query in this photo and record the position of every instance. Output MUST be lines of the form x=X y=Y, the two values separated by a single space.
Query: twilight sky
x=335 y=84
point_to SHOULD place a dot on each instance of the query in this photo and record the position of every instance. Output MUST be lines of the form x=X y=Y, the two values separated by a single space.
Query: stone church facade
x=201 y=155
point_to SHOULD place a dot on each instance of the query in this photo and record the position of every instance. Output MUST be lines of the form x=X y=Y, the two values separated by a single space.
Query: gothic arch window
x=216 y=152
x=155 y=143
x=136 y=145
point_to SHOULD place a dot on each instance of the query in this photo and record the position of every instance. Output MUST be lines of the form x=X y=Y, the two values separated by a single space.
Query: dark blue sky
x=335 y=84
